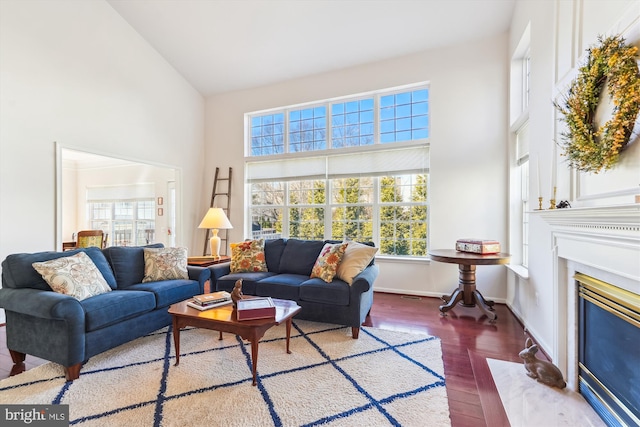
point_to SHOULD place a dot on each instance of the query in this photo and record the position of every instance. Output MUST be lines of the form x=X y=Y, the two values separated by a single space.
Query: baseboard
x=428 y=294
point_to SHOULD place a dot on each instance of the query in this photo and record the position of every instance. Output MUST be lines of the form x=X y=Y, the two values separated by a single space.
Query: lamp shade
x=215 y=218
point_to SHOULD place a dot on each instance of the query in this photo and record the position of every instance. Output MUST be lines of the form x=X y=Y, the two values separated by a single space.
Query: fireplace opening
x=609 y=350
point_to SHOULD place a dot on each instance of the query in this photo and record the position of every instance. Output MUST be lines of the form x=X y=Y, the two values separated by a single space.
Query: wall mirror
x=134 y=203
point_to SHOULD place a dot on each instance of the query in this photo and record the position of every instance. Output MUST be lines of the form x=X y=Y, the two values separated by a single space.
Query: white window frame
x=109 y=225
x=376 y=159
x=519 y=158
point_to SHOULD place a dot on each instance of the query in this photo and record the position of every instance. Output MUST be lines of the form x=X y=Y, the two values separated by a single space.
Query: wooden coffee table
x=224 y=319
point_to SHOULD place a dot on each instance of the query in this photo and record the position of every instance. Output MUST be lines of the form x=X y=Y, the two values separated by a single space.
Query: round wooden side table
x=466 y=294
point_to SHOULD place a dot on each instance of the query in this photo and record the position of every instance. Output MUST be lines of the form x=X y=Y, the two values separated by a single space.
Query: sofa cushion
x=114 y=307
x=165 y=264
x=317 y=290
x=127 y=263
x=327 y=262
x=283 y=286
x=356 y=258
x=18 y=272
x=248 y=256
x=273 y=253
x=226 y=283
x=168 y=292
x=76 y=276
x=299 y=256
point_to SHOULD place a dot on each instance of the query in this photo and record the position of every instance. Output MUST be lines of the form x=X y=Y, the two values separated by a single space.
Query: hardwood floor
x=467 y=338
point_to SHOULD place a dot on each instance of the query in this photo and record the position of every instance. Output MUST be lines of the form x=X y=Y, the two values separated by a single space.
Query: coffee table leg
x=176 y=339
x=254 y=359
x=288 y=326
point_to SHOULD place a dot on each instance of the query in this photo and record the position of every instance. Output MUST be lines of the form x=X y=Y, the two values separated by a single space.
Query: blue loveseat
x=68 y=331
x=289 y=264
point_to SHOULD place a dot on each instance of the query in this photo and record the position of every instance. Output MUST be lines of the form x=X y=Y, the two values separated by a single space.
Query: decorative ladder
x=225 y=194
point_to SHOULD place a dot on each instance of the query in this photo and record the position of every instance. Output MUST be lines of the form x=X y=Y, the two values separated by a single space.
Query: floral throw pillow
x=75 y=275
x=165 y=264
x=248 y=256
x=327 y=263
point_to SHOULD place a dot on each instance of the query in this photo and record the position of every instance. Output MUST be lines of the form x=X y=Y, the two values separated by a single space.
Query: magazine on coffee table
x=256 y=308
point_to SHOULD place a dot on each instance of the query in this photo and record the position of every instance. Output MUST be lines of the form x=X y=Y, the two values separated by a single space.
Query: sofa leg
x=18 y=360
x=72 y=372
x=17 y=357
x=355 y=332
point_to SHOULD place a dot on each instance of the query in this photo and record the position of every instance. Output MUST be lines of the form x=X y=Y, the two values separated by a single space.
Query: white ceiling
x=227 y=45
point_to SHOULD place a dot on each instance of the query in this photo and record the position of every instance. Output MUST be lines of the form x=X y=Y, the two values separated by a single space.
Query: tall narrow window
x=520 y=90
x=526 y=80
x=522 y=144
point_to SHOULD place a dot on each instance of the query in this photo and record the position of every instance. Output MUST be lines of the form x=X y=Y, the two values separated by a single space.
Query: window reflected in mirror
x=118 y=197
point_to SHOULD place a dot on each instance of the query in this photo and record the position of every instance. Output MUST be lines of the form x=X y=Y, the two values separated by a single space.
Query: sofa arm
x=45 y=324
x=364 y=281
x=217 y=271
x=43 y=304
x=201 y=274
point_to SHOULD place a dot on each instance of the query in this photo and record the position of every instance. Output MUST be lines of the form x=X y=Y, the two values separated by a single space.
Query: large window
x=354 y=168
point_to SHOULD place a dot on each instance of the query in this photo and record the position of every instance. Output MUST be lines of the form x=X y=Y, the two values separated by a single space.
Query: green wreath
x=590 y=148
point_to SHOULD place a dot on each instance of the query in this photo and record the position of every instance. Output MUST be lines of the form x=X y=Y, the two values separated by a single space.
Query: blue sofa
x=64 y=330
x=289 y=263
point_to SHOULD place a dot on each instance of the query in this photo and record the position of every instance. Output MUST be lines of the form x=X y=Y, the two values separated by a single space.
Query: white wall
x=75 y=72
x=561 y=31
x=468 y=175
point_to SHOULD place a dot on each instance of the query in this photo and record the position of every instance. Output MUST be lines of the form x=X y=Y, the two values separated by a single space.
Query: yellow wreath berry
x=590 y=148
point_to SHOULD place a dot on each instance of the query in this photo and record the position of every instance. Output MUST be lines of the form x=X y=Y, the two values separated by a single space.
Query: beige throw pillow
x=165 y=264
x=355 y=259
x=75 y=275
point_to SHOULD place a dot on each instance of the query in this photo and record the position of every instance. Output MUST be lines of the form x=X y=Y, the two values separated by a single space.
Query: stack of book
x=210 y=300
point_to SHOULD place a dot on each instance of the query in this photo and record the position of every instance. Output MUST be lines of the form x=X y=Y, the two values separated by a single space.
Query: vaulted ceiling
x=228 y=45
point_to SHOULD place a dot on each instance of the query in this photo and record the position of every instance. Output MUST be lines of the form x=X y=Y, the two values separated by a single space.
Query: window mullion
x=328 y=189
x=285 y=137
x=376 y=119
x=329 y=127
x=376 y=211
x=285 y=210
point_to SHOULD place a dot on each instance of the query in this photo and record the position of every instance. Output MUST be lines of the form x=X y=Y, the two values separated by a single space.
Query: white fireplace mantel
x=608 y=219
x=603 y=242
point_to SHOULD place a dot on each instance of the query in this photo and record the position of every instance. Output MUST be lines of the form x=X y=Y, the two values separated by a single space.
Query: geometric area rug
x=382 y=378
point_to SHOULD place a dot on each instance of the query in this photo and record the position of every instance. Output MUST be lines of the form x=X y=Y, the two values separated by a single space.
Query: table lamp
x=215 y=219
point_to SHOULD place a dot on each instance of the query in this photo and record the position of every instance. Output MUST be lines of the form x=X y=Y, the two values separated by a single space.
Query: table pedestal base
x=467 y=294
